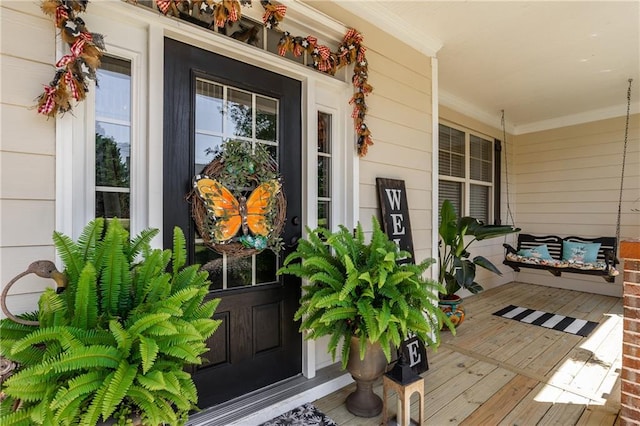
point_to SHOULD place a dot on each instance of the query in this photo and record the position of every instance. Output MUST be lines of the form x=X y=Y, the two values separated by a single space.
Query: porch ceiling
x=546 y=63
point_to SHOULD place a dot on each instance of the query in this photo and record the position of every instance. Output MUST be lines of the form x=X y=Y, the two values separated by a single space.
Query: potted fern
x=114 y=344
x=363 y=299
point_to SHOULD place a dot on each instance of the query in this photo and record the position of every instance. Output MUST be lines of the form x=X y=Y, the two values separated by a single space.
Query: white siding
x=568 y=183
x=27 y=147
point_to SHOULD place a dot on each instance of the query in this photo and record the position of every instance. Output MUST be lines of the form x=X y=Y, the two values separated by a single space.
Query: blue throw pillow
x=538 y=252
x=580 y=252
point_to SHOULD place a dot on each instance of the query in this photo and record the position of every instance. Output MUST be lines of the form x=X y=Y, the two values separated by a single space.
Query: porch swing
x=577 y=255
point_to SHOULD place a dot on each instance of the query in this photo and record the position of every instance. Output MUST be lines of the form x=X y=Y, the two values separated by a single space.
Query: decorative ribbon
x=324 y=52
x=85 y=50
x=73 y=84
x=61 y=15
x=297 y=46
x=47 y=106
x=313 y=42
x=65 y=60
x=78 y=46
x=272 y=12
x=284 y=45
x=163 y=5
x=230 y=5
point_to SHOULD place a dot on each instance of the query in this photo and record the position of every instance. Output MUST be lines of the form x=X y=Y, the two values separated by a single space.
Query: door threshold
x=264 y=404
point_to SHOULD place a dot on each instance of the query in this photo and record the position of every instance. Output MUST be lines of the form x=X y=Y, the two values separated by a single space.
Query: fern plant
x=115 y=343
x=358 y=288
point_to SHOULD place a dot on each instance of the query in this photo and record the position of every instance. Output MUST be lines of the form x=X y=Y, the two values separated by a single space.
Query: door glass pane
x=209 y=104
x=213 y=101
x=239 y=271
x=211 y=262
x=112 y=204
x=324 y=176
x=324 y=210
x=266 y=118
x=324 y=169
x=266 y=267
x=240 y=113
x=206 y=148
x=324 y=133
x=113 y=139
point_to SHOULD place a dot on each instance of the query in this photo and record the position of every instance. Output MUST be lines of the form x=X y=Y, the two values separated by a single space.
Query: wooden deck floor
x=497 y=371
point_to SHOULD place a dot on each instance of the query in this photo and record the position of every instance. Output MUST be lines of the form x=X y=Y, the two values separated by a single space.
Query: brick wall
x=630 y=398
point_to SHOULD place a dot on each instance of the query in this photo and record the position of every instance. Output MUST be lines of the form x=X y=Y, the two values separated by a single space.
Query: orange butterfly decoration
x=233 y=214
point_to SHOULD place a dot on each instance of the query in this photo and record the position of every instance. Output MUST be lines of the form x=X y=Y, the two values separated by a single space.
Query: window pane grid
x=113 y=139
x=466 y=172
x=225 y=113
x=324 y=169
x=451 y=152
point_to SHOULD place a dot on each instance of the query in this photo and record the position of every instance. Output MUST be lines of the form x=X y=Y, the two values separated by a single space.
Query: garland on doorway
x=86 y=49
x=74 y=68
x=350 y=51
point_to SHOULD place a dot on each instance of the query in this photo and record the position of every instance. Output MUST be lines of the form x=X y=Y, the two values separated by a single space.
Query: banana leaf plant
x=457 y=269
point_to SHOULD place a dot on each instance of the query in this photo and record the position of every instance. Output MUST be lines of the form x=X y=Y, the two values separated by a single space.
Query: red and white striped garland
x=349 y=51
x=74 y=68
x=86 y=50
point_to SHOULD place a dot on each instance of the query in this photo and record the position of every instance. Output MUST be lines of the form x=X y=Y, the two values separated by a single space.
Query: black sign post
x=396 y=224
x=395 y=213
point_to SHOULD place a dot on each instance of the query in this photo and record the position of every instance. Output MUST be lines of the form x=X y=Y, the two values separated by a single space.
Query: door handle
x=293 y=241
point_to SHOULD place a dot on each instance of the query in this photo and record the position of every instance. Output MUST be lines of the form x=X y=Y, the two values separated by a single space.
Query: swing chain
x=624 y=156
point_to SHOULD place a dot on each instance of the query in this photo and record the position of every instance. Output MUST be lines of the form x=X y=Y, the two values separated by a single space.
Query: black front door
x=208 y=99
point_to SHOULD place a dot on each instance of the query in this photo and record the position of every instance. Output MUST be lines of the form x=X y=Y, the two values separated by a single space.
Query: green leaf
x=79 y=359
x=18 y=418
x=148 y=353
x=179 y=250
x=70 y=254
x=147 y=321
x=44 y=335
x=117 y=388
x=79 y=386
x=86 y=303
x=122 y=336
x=153 y=380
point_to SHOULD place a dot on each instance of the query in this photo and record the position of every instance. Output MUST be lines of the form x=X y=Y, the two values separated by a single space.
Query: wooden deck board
x=502 y=402
x=497 y=371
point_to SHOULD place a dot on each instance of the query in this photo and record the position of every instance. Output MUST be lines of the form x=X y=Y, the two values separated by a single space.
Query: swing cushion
x=538 y=252
x=580 y=255
x=576 y=252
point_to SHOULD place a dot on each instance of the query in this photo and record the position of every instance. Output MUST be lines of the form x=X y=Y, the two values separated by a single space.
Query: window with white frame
x=466 y=171
x=113 y=139
x=324 y=169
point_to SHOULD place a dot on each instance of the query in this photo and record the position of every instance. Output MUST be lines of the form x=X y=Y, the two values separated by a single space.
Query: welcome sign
x=395 y=213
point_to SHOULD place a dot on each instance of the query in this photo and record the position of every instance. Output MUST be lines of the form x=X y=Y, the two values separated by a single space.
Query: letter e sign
x=395 y=213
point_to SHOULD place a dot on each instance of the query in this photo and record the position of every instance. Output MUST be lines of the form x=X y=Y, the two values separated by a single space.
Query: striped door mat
x=548 y=320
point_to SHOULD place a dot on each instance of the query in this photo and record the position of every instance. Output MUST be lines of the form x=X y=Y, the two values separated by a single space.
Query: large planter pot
x=363 y=402
x=452 y=307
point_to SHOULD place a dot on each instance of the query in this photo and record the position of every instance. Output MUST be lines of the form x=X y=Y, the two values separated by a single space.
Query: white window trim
x=75 y=144
x=76 y=158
